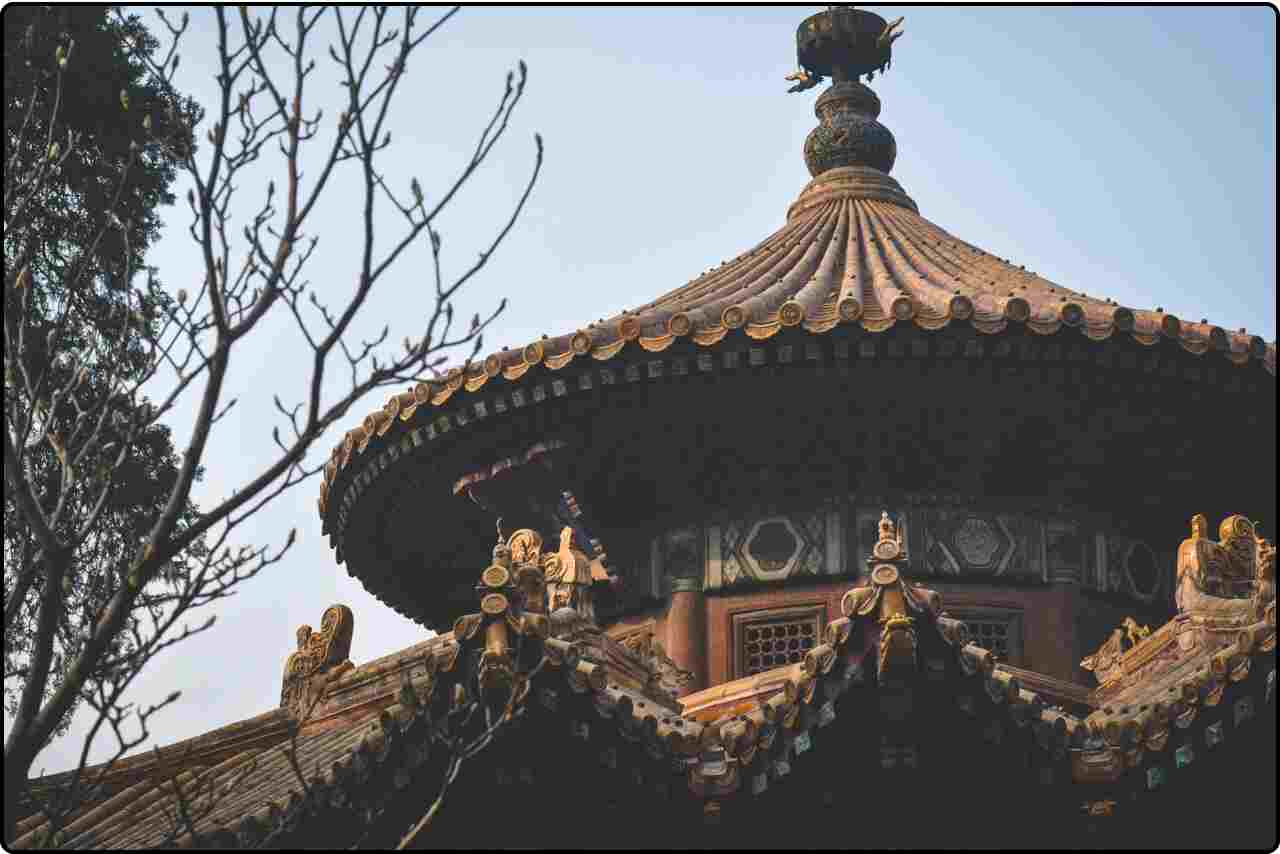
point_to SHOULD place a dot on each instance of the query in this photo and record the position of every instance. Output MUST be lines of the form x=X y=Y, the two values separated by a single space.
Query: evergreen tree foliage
x=80 y=285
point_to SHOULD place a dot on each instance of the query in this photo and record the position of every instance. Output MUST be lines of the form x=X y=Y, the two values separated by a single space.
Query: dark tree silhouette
x=97 y=352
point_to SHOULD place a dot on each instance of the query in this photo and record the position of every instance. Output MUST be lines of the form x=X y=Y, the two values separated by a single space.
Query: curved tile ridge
x=1216 y=683
x=854 y=249
x=753 y=728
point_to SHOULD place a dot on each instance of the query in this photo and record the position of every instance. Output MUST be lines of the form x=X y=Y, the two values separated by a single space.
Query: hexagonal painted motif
x=773 y=545
x=772 y=548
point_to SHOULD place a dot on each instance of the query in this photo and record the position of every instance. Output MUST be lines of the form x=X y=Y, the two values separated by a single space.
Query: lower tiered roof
x=895 y=683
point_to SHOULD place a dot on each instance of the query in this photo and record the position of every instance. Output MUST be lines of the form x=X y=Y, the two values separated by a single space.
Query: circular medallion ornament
x=495 y=576
x=886 y=549
x=884 y=574
x=976 y=542
x=493 y=604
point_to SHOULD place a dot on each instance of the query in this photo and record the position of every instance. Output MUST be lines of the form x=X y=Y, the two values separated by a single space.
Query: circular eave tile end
x=884 y=574
x=369 y=425
x=492 y=365
x=1123 y=319
x=961 y=307
x=850 y=309
x=580 y=343
x=629 y=329
x=791 y=313
x=1017 y=310
x=1257 y=347
x=902 y=308
x=733 y=317
x=533 y=352
x=495 y=576
x=422 y=391
x=1170 y=325
x=1072 y=314
x=680 y=324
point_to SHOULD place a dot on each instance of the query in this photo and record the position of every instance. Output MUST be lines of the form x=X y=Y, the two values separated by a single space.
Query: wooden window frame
x=742 y=620
x=1012 y=617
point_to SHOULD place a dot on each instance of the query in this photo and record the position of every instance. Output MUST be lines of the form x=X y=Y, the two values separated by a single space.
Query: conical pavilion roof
x=854 y=250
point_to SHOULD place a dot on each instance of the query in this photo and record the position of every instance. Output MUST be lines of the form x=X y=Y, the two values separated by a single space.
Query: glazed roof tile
x=728 y=741
x=854 y=250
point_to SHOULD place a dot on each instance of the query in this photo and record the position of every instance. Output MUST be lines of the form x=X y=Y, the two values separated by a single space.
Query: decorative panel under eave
x=960 y=542
x=774 y=548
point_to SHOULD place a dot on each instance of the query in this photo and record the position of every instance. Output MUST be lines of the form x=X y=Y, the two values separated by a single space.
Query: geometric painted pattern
x=772 y=548
x=958 y=542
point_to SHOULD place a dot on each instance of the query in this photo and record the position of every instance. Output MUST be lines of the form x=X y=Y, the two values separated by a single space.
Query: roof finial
x=845 y=44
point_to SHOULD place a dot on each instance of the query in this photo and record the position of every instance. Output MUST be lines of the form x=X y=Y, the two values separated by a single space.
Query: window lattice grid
x=774 y=643
x=991 y=635
x=998 y=633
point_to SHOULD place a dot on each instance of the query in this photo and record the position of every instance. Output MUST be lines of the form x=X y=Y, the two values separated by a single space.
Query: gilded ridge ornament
x=569 y=578
x=317 y=653
x=1227 y=581
x=1225 y=595
x=525 y=546
x=1105 y=663
x=896 y=604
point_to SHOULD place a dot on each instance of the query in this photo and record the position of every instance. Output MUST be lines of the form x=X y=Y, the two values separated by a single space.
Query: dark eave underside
x=1059 y=418
x=854 y=255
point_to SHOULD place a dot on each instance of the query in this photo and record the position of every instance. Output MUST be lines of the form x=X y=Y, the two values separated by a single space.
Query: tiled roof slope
x=140 y=773
x=1200 y=675
x=139 y=791
x=383 y=728
x=854 y=250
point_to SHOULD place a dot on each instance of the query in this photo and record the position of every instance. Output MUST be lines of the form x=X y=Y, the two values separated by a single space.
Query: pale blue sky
x=1125 y=152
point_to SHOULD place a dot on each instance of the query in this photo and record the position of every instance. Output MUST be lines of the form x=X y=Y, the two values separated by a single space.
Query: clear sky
x=1124 y=152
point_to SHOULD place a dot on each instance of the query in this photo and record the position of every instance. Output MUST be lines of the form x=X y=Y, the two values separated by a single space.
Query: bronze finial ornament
x=845 y=44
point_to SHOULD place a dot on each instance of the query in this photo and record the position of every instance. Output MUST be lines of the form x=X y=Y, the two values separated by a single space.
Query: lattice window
x=997 y=631
x=768 y=639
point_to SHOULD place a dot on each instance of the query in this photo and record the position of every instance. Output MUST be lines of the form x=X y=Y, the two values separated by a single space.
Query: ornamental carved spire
x=845 y=44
